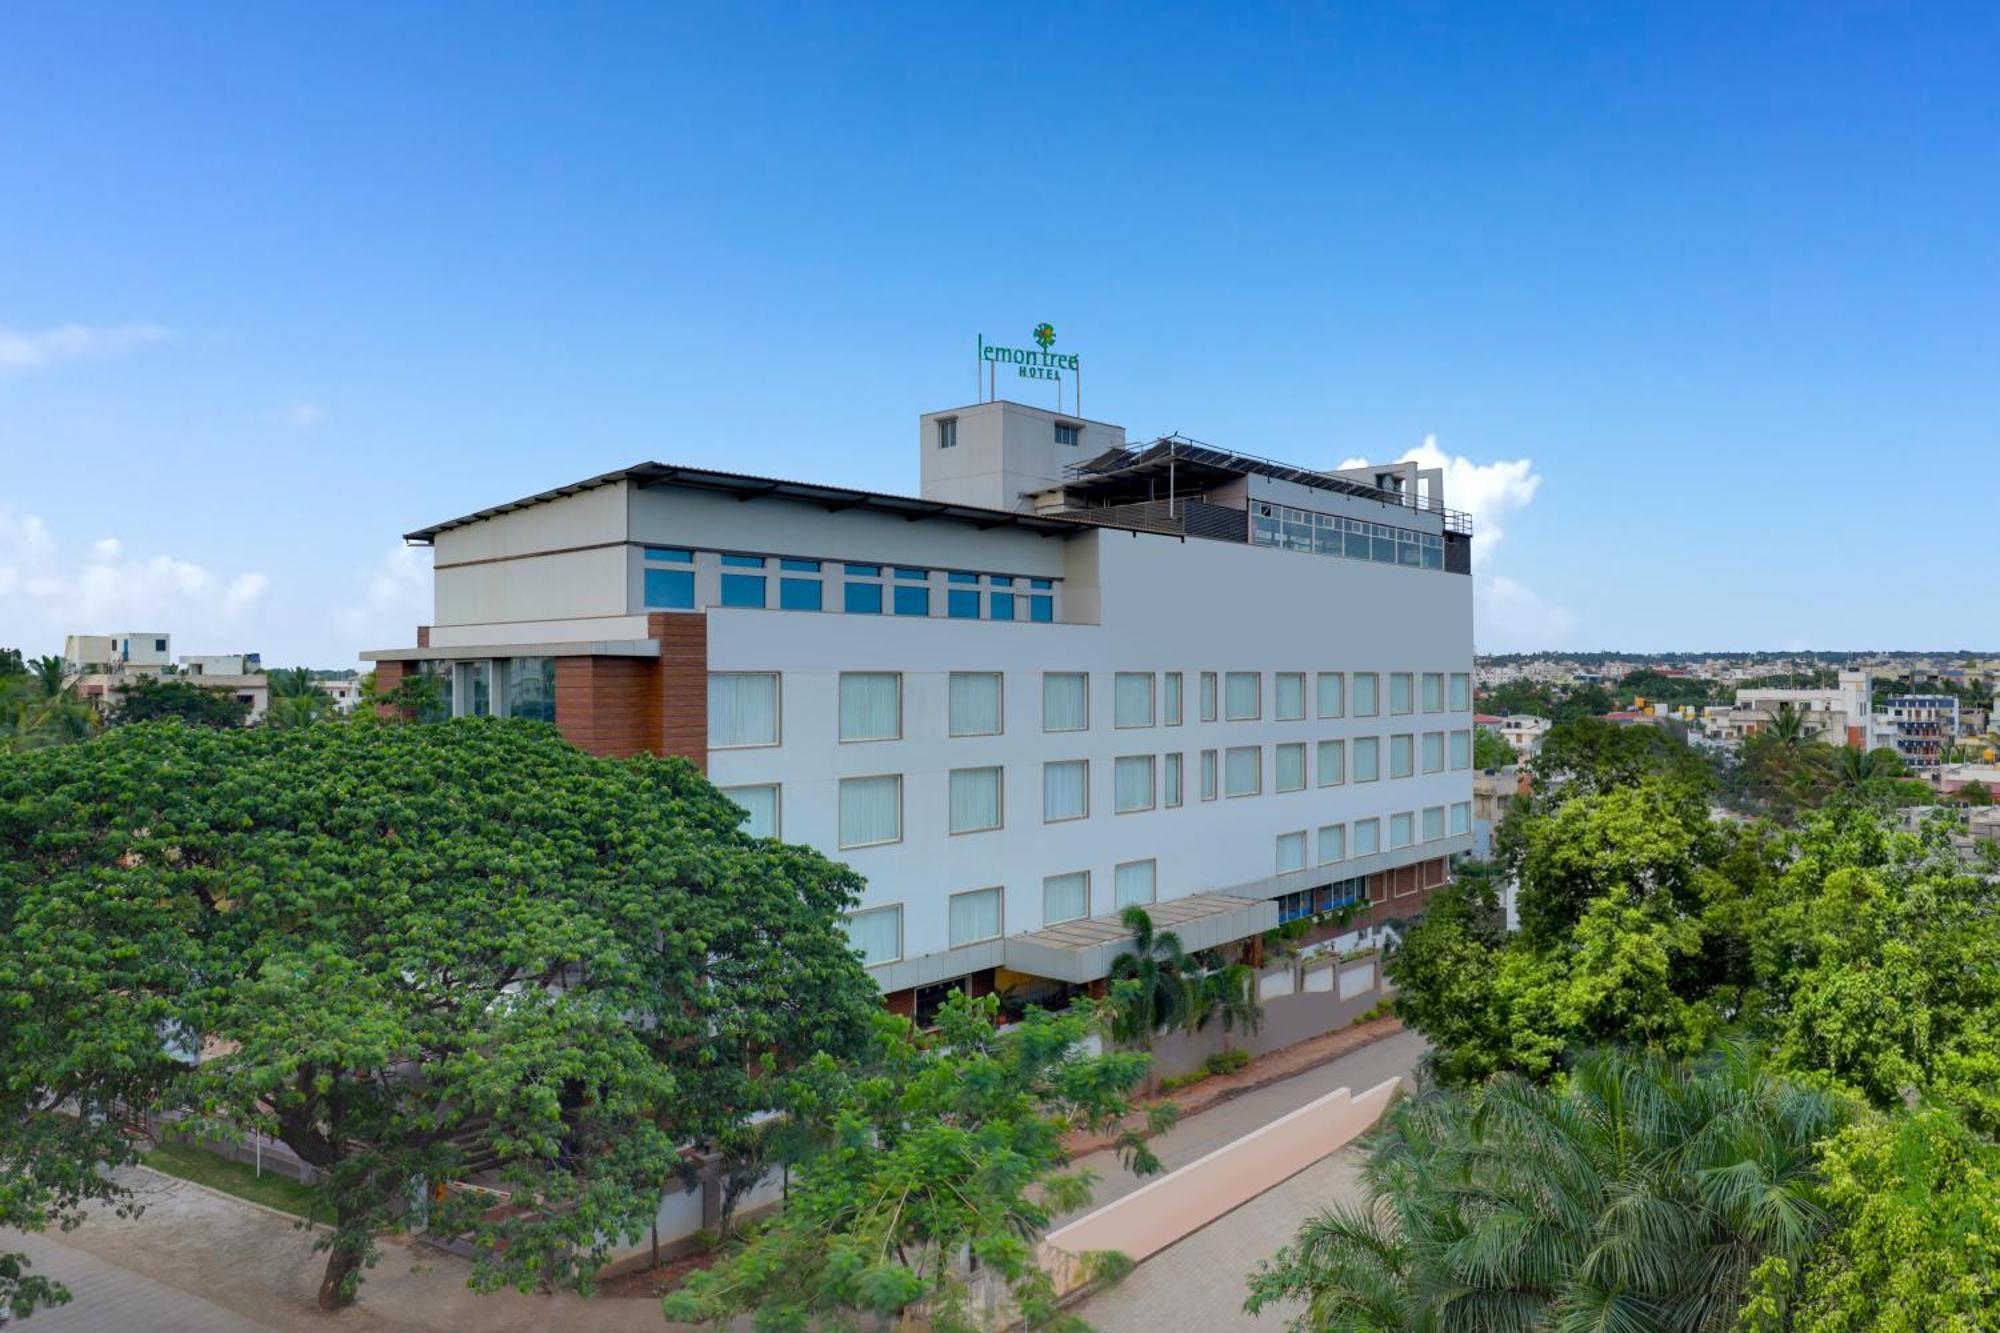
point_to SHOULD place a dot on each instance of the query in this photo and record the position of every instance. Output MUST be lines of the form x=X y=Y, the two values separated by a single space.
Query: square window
x=871 y=706
x=1132 y=783
x=1134 y=884
x=961 y=605
x=670 y=589
x=1066 y=433
x=975 y=799
x=742 y=709
x=915 y=602
x=1292 y=766
x=1041 y=610
x=1243 y=770
x=1332 y=843
x=974 y=703
x=1243 y=696
x=1402 y=756
x=798 y=594
x=1208 y=775
x=1367 y=757
x=1332 y=763
x=1402 y=830
x=1002 y=605
x=1132 y=699
x=1399 y=692
x=1433 y=692
x=760 y=809
x=1065 y=701
x=877 y=934
x=1332 y=694
x=864 y=599
x=1367 y=837
x=1066 y=897
x=871 y=811
x=1291 y=852
x=1366 y=699
x=1065 y=790
x=743 y=590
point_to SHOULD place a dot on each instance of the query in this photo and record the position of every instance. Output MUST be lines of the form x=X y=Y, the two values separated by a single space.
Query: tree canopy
x=412 y=953
x=930 y=1147
x=152 y=699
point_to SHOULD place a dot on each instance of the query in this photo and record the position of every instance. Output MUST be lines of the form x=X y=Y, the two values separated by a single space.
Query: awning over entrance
x=1080 y=951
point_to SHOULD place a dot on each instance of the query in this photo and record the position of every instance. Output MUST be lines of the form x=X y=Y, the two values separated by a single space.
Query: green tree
x=1588 y=754
x=1916 y=1245
x=1642 y=1194
x=149 y=699
x=1149 y=984
x=932 y=1146
x=409 y=953
x=1976 y=793
x=1789 y=727
x=1490 y=751
x=1225 y=994
x=1647 y=837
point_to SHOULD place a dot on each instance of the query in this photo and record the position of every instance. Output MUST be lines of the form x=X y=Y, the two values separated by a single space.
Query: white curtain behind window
x=975 y=916
x=975 y=799
x=1065 y=897
x=1461 y=817
x=1065 y=790
x=1065 y=701
x=871 y=810
x=1332 y=843
x=1367 y=837
x=762 y=804
x=1241 y=701
x=1291 y=852
x=1291 y=766
x=975 y=703
x=1242 y=771
x=878 y=934
x=870 y=705
x=1133 y=884
x=1433 y=823
x=1133 y=698
x=1133 y=776
x=742 y=708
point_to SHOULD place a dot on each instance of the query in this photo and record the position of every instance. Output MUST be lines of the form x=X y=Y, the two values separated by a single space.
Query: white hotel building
x=1073 y=675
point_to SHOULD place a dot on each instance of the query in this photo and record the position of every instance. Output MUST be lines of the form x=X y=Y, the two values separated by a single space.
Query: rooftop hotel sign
x=1032 y=363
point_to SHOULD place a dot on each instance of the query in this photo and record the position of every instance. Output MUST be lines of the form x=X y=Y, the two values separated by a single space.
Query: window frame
x=1152 y=763
x=999 y=773
x=902 y=939
x=1048 y=764
x=999 y=890
x=777 y=679
x=1228 y=714
x=840 y=789
x=1047 y=920
x=1151 y=678
x=1084 y=676
x=1257 y=790
x=840 y=708
x=1278 y=767
x=1000 y=693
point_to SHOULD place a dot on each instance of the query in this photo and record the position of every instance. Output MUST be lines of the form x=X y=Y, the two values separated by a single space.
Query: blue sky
x=1700 y=302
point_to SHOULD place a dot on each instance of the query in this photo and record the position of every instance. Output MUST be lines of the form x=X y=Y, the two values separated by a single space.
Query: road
x=1198 y=1285
x=111 y=1299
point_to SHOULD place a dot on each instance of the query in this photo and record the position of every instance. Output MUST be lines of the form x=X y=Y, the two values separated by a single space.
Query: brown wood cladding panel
x=683 y=682
x=390 y=675
x=608 y=705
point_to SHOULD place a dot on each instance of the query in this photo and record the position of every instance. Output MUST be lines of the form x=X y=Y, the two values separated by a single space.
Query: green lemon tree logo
x=1045 y=334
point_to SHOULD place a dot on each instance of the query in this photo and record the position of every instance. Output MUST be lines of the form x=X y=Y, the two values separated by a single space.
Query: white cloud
x=1508 y=616
x=302 y=415
x=395 y=599
x=24 y=349
x=46 y=593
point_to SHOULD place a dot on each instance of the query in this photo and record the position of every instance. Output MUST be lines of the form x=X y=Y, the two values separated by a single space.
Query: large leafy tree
x=932 y=1149
x=150 y=699
x=1917 y=1245
x=1642 y=1194
x=412 y=954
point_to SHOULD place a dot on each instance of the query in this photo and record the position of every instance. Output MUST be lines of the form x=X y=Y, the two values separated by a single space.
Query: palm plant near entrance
x=1149 y=984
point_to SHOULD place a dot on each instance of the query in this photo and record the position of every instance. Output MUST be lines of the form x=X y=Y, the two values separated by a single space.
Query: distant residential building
x=1524 y=732
x=344 y=691
x=223 y=664
x=133 y=649
x=1918 y=727
x=1952 y=777
x=1838 y=715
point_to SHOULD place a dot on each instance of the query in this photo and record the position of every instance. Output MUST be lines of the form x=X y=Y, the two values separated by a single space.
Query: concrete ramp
x=1182 y=1202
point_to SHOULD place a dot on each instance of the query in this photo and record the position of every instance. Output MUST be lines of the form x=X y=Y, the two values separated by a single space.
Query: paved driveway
x=109 y=1298
x=1198 y=1285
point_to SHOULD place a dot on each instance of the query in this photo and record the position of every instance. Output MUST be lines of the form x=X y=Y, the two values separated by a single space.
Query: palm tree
x=1640 y=1196
x=1150 y=990
x=49 y=672
x=1227 y=993
x=1788 y=727
x=296 y=701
